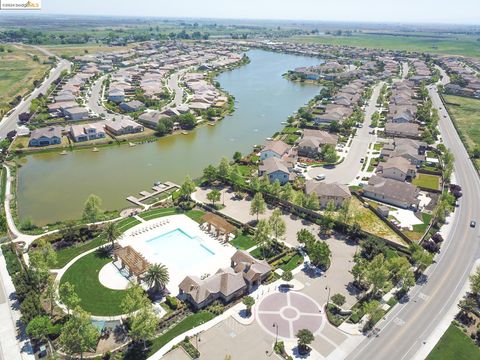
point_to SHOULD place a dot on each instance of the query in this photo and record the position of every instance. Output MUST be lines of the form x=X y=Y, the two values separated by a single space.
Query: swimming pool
x=178 y=246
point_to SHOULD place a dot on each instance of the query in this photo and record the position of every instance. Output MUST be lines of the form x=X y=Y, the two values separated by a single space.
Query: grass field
x=466 y=116
x=461 y=45
x=18 y=70
x=243 y=242
x=454 y=344
x=82 y=49
x=427 y=181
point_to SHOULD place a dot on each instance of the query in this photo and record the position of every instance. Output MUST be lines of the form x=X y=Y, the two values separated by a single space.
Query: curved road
x=9 y=122
x=407 y=328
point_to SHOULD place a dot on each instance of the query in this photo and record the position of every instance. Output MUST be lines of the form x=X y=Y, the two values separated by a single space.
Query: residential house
x=410 y=149
x=76 y=113
x=405 y=130
x=275 y=169
x=45 y=136
x=328 y=192
x=393 y=192
x=132 y=106
x=87 y=132
x=397 y=168
x=312 y=141
x=123 y=126
x=116 y=95
x=151 y=118
x=274 y=148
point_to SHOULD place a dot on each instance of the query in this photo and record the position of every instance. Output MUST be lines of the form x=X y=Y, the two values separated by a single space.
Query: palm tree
x=157 y=277
x=111 y=232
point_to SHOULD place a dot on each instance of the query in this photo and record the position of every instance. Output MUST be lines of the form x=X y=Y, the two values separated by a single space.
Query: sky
x=403 y=11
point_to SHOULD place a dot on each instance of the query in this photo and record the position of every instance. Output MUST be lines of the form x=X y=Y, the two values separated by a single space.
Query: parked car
x=362 y=160
x=320 y=177
x=473 y=223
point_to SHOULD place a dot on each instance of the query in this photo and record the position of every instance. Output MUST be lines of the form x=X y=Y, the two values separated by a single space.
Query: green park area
x=465 y=115
x=454 y=344
x=20 y=66
x=432 y=43
x=69 y=50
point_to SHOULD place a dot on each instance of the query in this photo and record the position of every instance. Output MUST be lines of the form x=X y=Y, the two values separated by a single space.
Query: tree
x=41 y=260
x=248 y=301
x=39 y=328
x=305 y=237
x=68 y=296
x=319 y=253
x=157 y=276
x=287 y=276
x=214 y=196
x=329 y=154
x=68 y=231
x=210 y=174
x=276 y=188
x=255 y=184
x=371 y=308
x=143 y=325
x=236 y=177
x=50 y=293
x=187 y=121
x=134 y=299
x=79 y=334
x=304 y=338
x=287 y=193
x=262 y=235
x=312 y=202
x=377 y=273
x=401 y=271
x=237 y=156
x=224 y=169
x=338 y=299
x=421 y=258
x=187 y=188
x=111 y=232
x=277 y=224
x=91 y=210
x=258 y=205
x=475 y=282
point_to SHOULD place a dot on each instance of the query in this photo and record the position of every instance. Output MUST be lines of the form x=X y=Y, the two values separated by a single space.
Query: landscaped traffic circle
x=287 y=313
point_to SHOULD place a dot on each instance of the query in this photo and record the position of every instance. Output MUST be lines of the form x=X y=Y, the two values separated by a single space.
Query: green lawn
x=294 y=261
x=427 y=181
x=64 y=256
x=465 y=114
x=453 y=45
x=195 y=215
x=186 y=324
x=94 y=297
x=454 y=344
x=243 y=242
x=419 y=229
x=156 y=213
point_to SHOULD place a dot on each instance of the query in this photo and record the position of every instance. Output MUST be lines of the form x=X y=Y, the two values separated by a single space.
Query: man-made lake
x=53 y=187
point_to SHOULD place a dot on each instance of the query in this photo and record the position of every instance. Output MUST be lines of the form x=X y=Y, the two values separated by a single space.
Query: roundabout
x=284 y=314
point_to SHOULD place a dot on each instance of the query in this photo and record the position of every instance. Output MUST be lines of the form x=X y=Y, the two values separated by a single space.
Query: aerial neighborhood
x=218 y=189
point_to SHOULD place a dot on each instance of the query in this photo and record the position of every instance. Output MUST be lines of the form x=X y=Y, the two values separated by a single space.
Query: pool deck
x=138 y=237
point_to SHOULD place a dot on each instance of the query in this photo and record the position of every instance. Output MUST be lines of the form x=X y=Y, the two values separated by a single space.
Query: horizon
x=368 y=11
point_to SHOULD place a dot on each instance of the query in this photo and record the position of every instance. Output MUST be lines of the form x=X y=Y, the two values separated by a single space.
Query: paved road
x=347 y=171
x=173 y=85
x=408 y=325
x=9 y=123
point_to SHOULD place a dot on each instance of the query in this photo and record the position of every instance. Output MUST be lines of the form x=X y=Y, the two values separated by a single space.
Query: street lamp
x=328 y=297
x=274 y=325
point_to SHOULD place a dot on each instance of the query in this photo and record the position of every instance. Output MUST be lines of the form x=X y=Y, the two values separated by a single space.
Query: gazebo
x=222 y=226
x=132 y=260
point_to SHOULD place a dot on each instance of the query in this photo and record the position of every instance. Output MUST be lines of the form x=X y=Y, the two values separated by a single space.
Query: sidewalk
x=12 y=347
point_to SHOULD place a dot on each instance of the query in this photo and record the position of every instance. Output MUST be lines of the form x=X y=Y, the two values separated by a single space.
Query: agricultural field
x=18 y=70
x=465 y=115
x=70 y=50
x=461 y=45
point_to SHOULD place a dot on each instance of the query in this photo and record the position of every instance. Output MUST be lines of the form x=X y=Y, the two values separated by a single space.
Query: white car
x=320 y=177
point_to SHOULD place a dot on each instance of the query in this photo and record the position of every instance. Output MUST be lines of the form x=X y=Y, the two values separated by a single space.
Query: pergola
x=221 y=225
x=132 y=260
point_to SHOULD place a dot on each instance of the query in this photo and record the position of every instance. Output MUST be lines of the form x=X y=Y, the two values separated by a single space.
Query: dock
x=146 y=195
